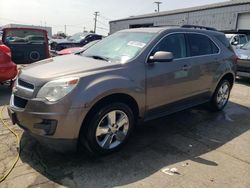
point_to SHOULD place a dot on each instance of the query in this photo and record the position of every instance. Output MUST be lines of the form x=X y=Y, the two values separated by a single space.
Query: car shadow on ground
x=163 y=142
x=243 y=81
x=5 y=92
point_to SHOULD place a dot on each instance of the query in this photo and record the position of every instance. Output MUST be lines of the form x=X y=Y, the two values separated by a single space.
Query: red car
x=68 y=51
x=8 y=69
x=76 y=49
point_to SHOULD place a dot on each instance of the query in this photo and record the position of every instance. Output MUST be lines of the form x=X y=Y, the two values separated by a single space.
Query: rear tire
x=221 y=95
x=108 y=128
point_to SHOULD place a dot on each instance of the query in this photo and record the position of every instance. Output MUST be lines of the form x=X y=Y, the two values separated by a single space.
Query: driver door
x=168 y=82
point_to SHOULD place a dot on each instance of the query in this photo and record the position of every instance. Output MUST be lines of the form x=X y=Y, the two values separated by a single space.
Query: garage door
x=243 y=22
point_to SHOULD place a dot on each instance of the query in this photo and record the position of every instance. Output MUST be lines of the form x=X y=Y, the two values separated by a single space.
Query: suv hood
x=65 y=65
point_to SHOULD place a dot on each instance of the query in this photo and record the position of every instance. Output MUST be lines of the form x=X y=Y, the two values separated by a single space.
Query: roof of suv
x=162 y=29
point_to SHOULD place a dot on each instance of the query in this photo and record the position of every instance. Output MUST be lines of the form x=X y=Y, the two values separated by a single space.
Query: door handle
x=186 y=67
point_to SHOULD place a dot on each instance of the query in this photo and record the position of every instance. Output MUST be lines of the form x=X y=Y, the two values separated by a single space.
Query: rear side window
x=13 y=36
x=224 y=41
x=201 y=45
x=174 y=43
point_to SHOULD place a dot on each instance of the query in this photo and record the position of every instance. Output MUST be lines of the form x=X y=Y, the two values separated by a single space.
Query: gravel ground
x=192 y=148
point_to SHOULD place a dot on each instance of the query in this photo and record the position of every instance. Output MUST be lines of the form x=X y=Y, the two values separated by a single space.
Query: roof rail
x=199 y=27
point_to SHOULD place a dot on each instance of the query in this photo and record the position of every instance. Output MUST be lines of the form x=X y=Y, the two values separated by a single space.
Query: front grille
x=19 y=102
x=25 y=84
x=243 y=69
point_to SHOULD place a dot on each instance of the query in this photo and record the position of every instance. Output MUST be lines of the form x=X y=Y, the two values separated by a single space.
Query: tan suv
x=94 y=98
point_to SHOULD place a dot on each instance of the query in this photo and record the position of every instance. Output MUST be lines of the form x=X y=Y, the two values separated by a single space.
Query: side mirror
x=161 y=56
x=235 y=43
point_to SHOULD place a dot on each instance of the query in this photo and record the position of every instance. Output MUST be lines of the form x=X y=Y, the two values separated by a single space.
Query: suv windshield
x=246 y=46
x=121 y=46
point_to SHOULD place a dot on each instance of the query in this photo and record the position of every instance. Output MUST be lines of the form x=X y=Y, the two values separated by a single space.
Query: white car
x=237 y=40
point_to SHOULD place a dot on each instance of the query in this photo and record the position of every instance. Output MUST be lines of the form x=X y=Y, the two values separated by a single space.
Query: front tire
x=221 y=95
x=108 y=129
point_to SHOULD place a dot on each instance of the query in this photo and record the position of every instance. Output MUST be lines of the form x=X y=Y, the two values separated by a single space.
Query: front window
x=121 y=46
x=174 y=43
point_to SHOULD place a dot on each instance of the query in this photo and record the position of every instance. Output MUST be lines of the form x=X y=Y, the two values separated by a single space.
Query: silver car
x=243 y=64
x=95 y=98
x=237 y=40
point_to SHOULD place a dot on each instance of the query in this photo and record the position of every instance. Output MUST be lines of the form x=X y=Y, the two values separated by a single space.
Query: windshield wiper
x=99 y=57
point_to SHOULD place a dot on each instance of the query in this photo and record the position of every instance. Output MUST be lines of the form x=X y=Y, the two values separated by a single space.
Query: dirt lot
x=208 y=150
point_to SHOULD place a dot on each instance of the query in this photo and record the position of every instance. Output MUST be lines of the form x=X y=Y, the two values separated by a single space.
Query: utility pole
x=158 y=5
x=96 y=14
x=65 y=29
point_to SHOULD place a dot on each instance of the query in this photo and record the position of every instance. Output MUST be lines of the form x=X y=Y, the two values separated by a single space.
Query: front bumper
x=53 y=126
x=243 y=74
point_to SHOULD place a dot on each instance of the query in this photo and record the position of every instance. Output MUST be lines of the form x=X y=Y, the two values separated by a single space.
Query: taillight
x=235 y=59
x=5 y=49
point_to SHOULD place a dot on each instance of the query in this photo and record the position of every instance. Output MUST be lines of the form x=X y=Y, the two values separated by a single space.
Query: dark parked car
x=27 y=45
x=77 y=40
x=243 y=63
x=94 y=99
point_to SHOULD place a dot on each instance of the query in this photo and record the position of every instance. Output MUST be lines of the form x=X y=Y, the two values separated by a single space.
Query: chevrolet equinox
x=94 y=98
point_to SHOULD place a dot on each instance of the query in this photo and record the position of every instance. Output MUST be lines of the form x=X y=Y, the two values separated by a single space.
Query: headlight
x=57 y=89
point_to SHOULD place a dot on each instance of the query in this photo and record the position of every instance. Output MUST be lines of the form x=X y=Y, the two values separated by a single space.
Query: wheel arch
x=116 y=97
x=230 y=76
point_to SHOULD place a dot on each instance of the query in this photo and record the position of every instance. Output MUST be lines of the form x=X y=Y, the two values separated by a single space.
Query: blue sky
x=77 y=14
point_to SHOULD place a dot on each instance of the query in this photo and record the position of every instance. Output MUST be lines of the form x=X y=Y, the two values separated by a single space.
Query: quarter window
x=201 y=45
x=174 y=43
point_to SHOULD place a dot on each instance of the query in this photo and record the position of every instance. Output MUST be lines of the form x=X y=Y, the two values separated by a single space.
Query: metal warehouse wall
x=224 y=19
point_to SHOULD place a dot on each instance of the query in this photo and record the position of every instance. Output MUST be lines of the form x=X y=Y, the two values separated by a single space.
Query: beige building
x=229 y=16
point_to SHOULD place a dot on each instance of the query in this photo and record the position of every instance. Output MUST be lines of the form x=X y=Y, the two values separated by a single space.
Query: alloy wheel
x=112 y=129
x=223 y=95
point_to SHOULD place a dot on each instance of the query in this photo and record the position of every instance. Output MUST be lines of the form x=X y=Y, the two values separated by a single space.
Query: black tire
x=215 y=105
x=88 y=134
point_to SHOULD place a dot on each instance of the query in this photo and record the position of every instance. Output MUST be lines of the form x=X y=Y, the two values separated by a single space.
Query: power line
x=102 y=28
x=15 y=21
x=105 y=18
x=106 y=25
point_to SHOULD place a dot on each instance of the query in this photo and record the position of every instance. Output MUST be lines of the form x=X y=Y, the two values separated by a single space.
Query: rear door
x=27 y=45
x=204 y=57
